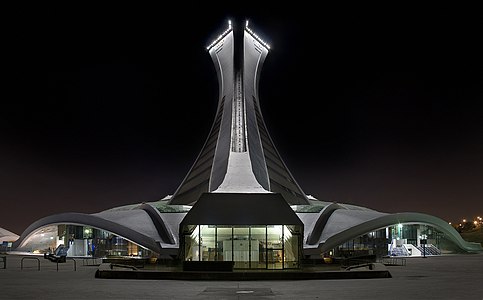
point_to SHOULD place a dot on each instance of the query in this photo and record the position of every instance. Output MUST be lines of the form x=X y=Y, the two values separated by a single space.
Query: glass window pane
x=275 y=246
x=291 y=249
x=224 y=243
x=192 y=245
x=274 y=236
x=241 y=247
x=207 y=240
x=258 y=247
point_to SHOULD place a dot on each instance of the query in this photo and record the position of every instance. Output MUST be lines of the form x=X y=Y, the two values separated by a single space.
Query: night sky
x=110 y=106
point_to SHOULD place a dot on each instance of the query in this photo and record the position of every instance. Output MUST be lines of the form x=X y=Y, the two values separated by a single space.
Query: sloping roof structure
x=7 y=236
x=241 y=209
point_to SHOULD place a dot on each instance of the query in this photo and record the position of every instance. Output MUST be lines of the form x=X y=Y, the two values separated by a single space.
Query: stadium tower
x=239 y=155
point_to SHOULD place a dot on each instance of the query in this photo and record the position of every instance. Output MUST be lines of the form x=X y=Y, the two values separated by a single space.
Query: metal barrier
x=4 y=260
x=85 y=261
x=75 y=264
x=38 y=262
x=393 y=261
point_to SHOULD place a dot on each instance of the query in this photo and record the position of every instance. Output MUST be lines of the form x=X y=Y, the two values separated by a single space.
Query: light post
x=424 y=241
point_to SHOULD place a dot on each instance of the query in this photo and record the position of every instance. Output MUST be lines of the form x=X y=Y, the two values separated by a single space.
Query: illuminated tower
x=238 y=156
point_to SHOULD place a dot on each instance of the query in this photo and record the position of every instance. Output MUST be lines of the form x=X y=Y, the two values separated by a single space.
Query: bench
x=135 y=262
x=55 y=258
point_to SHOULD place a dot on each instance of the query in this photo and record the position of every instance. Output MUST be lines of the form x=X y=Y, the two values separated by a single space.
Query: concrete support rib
x=164 y=231
x=208 y=171
x=324 y=215
x=238 y=128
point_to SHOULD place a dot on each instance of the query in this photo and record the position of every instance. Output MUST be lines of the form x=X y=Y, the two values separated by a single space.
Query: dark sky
x=110 y=106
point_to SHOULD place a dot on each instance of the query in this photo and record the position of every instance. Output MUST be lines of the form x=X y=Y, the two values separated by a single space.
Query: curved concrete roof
x=136 y=219
x=344 y=219
x=336 y=234
x=94 y=221
x=332 y=226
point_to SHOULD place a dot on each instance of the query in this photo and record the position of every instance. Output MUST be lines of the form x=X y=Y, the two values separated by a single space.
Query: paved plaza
x=444 y=277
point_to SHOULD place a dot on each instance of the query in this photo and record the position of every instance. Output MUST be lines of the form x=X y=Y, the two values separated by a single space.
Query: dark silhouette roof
x=241 y=209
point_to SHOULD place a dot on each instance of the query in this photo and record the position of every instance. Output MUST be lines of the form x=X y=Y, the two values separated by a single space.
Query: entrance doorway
x=249 y=247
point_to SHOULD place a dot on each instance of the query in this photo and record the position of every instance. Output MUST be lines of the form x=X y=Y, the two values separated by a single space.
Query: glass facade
x=372 y=243
x=397 y=240
x=249 y=247
x=416 y=240
x=82 y=241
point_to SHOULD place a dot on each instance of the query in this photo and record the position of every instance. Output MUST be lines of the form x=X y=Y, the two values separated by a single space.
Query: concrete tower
x=238 y=156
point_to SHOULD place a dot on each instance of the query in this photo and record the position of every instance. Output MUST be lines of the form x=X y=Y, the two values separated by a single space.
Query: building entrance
x=249 y=247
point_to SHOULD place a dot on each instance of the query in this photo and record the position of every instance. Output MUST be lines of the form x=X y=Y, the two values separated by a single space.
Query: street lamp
x=424 y=241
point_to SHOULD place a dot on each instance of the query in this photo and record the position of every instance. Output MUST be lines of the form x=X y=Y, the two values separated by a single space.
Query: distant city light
x=449 y=223
x=475 y=222
x=464 y=220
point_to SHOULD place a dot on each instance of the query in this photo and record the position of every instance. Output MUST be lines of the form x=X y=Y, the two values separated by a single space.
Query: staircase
x=399 y=251
x=429 y=250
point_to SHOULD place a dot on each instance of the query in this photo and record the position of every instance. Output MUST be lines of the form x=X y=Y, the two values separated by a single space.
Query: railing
x=38 y=262
x=399 y=251
x=75 y=263
x=4 y=260
x=393 y=261
x=91 y=261
x=429 y=249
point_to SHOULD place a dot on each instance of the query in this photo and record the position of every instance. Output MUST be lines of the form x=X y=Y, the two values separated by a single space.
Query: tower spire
x=239 y=155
